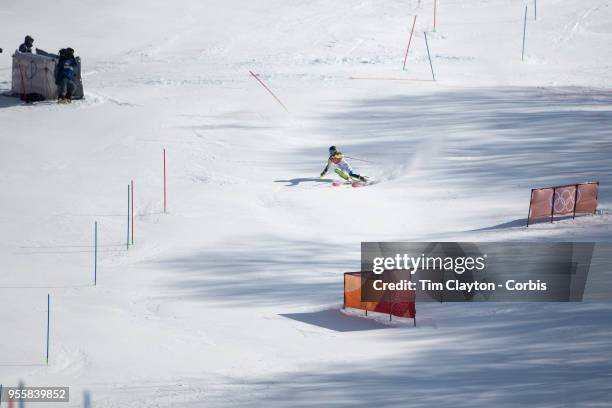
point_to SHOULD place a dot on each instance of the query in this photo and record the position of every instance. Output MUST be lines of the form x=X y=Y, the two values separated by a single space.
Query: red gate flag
x=403 y=304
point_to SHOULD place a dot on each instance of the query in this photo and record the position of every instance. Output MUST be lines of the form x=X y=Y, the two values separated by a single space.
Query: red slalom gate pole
x=434 y=16
x=23 y=87
x=409 y=41
x=127 y=237
x=132 y=184
x=268 y=89
x=164 y=180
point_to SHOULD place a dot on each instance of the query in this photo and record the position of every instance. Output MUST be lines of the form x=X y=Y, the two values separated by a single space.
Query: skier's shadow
x=297 y=181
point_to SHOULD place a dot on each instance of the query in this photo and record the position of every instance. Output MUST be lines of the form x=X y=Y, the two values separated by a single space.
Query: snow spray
x=409 y=41
x=268 y=89
x=429 y=56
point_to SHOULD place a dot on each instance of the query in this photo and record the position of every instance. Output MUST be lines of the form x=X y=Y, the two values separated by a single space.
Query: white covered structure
x=35 y=74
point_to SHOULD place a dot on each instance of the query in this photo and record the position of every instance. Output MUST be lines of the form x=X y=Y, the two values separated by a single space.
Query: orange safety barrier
x=565 y=200
x=402 y=305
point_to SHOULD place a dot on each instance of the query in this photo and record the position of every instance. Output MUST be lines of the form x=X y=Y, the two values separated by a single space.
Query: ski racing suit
x=342 y=167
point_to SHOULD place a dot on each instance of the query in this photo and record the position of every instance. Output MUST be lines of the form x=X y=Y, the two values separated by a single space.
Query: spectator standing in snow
x=65 y=75
x=27 y=45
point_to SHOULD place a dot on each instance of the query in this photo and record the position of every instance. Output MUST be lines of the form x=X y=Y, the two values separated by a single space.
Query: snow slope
x=232 y=298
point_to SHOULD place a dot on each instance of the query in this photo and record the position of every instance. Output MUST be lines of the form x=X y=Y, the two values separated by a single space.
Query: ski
x=352 y=183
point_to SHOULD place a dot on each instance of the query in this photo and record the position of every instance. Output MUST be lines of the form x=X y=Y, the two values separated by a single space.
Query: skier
x=342 y=167
x=65 y=75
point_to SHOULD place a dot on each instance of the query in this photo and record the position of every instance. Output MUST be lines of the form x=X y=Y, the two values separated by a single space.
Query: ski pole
x=362 y=160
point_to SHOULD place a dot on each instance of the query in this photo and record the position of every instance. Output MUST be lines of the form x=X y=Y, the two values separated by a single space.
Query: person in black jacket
x=65 y=74
x=27 y=45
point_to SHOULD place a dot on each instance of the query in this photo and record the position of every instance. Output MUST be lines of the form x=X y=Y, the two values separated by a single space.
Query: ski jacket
x=24 y=48
x=65 y=68
x=337 y=160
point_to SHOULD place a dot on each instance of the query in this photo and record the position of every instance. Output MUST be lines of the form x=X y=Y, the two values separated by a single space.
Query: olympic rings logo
x=564 y=200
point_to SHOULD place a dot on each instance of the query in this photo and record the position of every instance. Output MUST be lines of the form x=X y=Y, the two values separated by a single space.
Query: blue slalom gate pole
x=48 y=323
x=132 y=187
x=127 y=242
x=21 y=401
x=86 y=399
x=535 y=9
x=95 y=253
x=524 y=32
x=429 y=55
